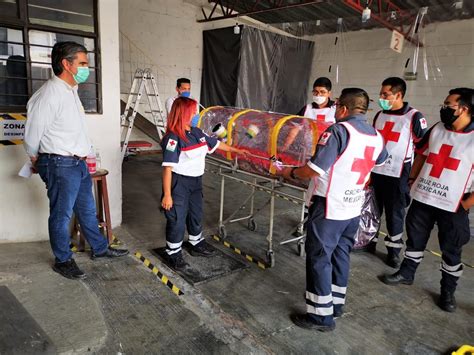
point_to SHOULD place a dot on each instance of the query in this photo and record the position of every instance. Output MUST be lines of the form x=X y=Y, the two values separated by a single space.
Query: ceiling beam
x=382 y=9
x=252 y=8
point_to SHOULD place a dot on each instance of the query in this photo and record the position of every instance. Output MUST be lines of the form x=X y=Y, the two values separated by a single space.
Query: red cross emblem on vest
x=320 y=117
x=388 y=134
x=172 y=142
x=442 y=161
x=364 y=165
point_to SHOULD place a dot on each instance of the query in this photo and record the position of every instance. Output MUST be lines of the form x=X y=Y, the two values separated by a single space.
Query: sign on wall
x=12 y=128
x=397 y=41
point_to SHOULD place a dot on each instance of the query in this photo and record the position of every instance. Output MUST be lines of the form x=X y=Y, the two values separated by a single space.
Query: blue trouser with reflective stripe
x=393 y=196
x=453 y=233
x=328 y=244
x=186 y=212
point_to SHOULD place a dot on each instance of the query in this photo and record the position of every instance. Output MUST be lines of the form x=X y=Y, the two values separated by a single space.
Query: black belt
x=49 y=155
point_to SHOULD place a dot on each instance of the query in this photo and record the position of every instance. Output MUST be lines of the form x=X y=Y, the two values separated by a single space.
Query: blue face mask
x=185 y=94
x=195 y=120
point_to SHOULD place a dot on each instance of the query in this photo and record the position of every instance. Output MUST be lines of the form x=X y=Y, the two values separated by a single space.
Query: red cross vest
x=343 y=185
x=325 y=114
x=447 y=172
x=396 y=132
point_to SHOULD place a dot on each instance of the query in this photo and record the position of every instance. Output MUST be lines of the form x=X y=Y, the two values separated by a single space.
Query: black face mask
x=447 y=116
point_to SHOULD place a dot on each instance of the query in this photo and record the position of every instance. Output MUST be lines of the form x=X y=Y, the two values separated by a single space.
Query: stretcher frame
x=229 y=170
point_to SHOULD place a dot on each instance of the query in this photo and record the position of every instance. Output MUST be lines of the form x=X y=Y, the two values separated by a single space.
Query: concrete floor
x=123 y=308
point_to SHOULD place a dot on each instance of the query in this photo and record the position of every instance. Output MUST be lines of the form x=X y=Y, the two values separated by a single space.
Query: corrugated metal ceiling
x=302 y=20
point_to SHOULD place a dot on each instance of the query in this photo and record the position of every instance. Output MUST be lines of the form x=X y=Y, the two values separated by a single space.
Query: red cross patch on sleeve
x=324 y=138
x=171 y=146
x=423 y=123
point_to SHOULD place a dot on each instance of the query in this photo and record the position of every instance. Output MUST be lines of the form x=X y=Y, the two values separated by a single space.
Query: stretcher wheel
x=252 y=225
x=222 y=232
x=271 y=258
x=300 y=247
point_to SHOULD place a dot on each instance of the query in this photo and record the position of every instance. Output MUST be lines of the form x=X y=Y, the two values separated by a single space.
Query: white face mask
x=319 y=99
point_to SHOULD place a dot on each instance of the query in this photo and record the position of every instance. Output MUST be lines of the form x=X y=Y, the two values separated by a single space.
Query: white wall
x=367 y=60
x=23 y=203
x=167 y=32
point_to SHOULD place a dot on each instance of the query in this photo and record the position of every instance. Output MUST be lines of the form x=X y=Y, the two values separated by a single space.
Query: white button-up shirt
x=169 y=104
x=56 y=121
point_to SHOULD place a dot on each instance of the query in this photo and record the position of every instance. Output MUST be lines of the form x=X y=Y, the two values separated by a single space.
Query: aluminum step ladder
x=144 y=83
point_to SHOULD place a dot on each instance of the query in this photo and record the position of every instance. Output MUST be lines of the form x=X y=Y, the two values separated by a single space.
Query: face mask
x=195 y=120
x=385 y=104
x=185 y=94
x=319 y=99
x=447 y=116
x=82 y=75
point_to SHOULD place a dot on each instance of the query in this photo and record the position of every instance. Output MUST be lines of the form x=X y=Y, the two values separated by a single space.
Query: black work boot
x=338 y=311
x=303 y=321
x=447 y=301
x=176 y=262
x=202 y=249
x=396 y=279
x=69 y=269
x=393 y=260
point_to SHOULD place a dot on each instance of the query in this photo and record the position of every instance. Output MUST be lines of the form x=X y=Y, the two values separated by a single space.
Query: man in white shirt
x=183 y=88
x=57 y=143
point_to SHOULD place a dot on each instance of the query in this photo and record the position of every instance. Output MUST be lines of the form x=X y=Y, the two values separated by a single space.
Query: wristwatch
x=292 y=173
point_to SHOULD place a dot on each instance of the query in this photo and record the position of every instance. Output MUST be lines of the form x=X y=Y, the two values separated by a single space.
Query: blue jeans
x=69 y=186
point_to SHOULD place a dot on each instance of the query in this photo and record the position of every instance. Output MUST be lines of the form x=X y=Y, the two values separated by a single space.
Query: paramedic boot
x=176 y=262
x=202 y=249
x=393 y=260
x=447 y=301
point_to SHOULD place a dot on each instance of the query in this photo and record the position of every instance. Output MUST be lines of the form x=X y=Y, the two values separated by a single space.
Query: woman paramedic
x=184 y=151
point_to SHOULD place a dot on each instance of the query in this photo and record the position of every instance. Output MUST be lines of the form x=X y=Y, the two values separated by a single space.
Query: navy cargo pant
x=186 y=212
x=453 y=233
x=393 y=195
x=328 y=244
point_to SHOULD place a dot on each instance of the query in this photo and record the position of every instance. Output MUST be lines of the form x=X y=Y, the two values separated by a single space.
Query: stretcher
x=269 y=137
x=275 y=188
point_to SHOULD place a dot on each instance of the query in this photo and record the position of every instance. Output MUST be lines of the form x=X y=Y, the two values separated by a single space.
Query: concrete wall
x=24 y=205
x=367 y=60
x=164 y=35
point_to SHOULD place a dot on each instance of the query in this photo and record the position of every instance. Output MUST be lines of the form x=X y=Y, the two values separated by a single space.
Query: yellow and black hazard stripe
x=261 y=264
x=158 y=273
x=11 y=117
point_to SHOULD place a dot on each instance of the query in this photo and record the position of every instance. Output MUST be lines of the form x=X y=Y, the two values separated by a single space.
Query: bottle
x=91 y=163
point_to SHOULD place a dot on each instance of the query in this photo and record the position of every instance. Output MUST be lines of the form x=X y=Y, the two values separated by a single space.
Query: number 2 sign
x=397 y=41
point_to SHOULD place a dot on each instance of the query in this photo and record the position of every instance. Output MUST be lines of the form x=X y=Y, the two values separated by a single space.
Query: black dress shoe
x=69 y=269
x=202 y=249
x=110 y=253
x=396 y=279
x=338 y=311
x=447 y=301
x=393 y=260
x=302 y=321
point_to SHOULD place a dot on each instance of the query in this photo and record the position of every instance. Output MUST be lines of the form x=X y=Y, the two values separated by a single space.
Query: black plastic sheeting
x=257 y=69
x=274 y=71
x=221 y=59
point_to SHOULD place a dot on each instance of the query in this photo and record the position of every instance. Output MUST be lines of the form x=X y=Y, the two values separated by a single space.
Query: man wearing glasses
x=346 y=154
x=442 y=190
x=322 y=107
x=401 y=126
